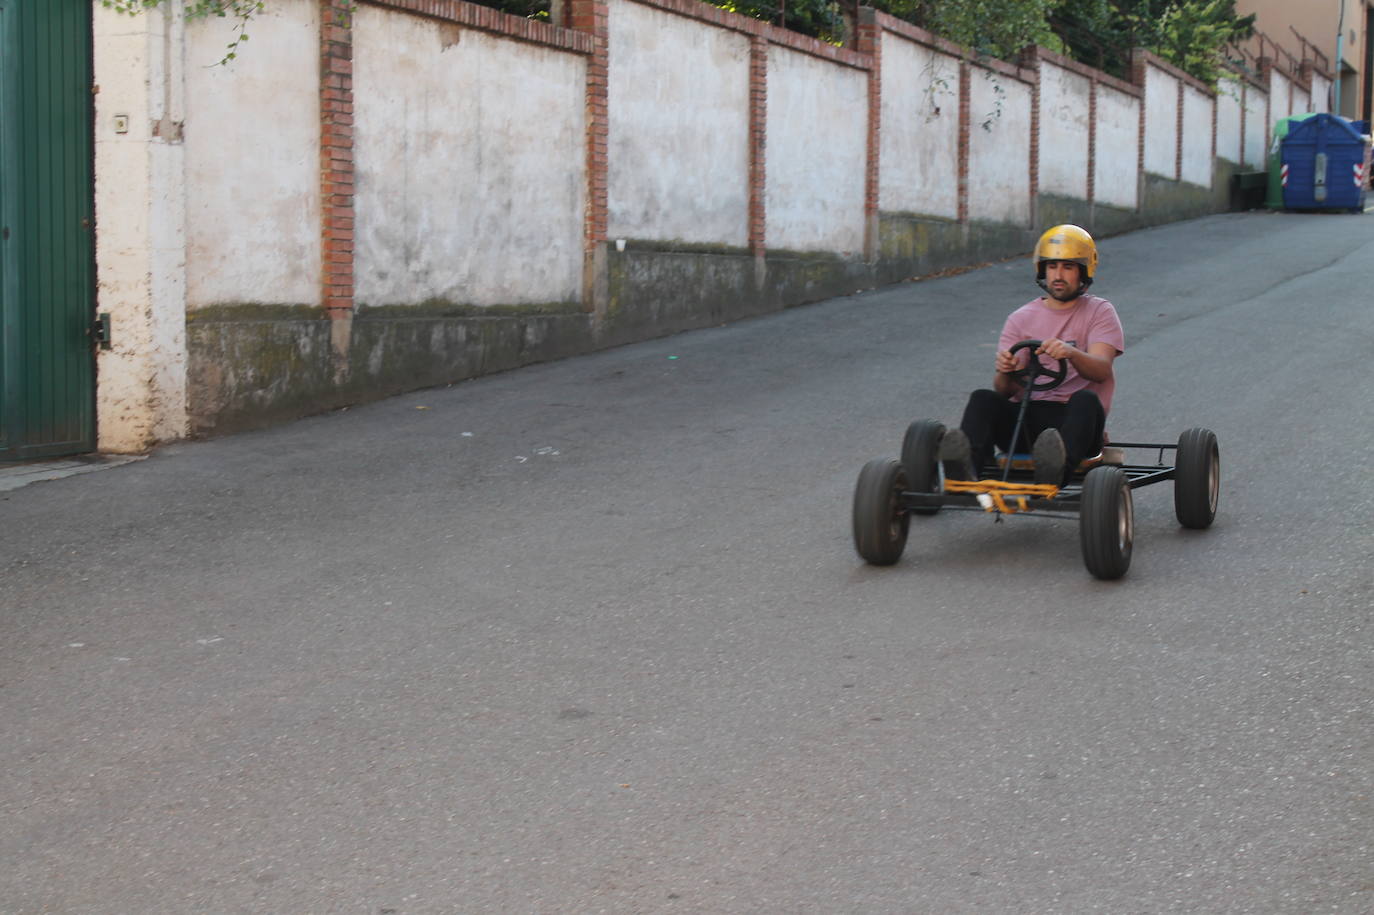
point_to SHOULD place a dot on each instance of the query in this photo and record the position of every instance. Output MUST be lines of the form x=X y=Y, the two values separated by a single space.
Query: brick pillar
x=1178 y=134
x=1262 y=66
x=1213 y=178
x=336 y=157
x=1031 y=59
x=336 y=179
x=593 y=17
x=1244 y=91
x=963 y=140
x=1138 y=77
x=758 y=143
x=1092 y=147
x=871 y=43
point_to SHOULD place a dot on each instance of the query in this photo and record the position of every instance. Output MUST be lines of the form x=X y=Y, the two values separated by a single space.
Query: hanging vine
x=999 y=101
x=241 y=12
x=937 y=84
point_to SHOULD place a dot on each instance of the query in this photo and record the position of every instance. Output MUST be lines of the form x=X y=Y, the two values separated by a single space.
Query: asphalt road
x=592 y=636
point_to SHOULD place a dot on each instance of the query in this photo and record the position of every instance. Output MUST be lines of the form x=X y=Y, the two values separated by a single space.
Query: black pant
x=990 y=419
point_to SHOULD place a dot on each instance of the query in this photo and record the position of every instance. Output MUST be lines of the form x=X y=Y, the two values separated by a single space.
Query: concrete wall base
x=1168 y=201
x=250 y=369
x=912 y=246
x=251 y=366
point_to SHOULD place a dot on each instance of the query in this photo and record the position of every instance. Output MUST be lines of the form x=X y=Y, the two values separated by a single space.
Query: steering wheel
x=1035 y=368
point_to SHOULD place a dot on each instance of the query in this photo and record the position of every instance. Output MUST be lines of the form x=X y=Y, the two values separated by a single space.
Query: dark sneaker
x=955 y=456
x=1049 y=457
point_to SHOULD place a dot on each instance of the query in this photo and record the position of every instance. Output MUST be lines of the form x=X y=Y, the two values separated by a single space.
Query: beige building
x=1328 y=35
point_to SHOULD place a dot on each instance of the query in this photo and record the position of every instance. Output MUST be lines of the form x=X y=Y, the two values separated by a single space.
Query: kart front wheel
x=920 y=458
x=1106 y=524
x=880 y=520
x=1197 y=479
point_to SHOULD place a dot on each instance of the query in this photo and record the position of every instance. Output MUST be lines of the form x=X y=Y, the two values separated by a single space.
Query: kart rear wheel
x=1106 y=524
x=920 y=458
x=1197 y=479
x=880 y=521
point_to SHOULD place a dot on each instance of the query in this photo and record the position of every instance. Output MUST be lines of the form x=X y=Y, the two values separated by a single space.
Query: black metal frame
x=1066 y=504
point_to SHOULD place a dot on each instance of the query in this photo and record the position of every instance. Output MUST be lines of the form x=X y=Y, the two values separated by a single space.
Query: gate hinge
x=100 y=329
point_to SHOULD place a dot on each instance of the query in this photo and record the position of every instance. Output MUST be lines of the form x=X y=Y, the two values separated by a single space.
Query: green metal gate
x=47 y=370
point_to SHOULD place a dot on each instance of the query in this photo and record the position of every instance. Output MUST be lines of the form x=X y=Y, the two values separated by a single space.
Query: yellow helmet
x=1066 y=243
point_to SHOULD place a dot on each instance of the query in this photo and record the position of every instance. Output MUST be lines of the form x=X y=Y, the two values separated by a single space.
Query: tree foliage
x=1191 y=34
x=995 y=28
x=525 y=9
x=998 y=28
x=818 y=18
x=1194 y=36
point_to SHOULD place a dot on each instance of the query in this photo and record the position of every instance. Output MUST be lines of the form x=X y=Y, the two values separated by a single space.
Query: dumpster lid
x=1329 y=126
x=1283 y=125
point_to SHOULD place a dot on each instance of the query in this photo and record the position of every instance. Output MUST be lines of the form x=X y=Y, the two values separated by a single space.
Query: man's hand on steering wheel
x=1056 y=349
x=1036 y=376
x=1012 y=376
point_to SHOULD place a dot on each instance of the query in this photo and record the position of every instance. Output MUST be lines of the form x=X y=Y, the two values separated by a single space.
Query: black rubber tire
x=921 y=459
x=880 y=521
x=1106 y=523
x=1197 y=479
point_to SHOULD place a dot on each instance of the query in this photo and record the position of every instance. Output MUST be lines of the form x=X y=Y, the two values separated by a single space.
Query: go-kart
x=1098 y=492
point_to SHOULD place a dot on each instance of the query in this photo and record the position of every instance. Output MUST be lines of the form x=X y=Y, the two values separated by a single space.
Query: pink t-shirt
x=1091 y=320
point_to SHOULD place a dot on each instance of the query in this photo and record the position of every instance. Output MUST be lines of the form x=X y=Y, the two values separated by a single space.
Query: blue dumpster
x=1324 y=162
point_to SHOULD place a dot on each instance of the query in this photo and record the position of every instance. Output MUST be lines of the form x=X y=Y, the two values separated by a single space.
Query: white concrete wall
x=1302 y=101
x=1117 y=162
x=140 y=207
x=1161 y=122
x=679 y=135
x=1321 y=93
x=1197 y=137
x=1280 y=101
x=1256 y=128
x=470 y=181
x=999 y=147
x=1064 y=108
x=1230 y=143
x=253 y=161
x=817 y=154
x=919 y=145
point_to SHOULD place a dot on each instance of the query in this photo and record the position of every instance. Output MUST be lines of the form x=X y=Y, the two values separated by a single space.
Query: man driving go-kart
x=1059 y=412
x=1065 y=422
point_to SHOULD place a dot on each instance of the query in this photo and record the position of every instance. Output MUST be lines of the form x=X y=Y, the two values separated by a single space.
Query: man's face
x=1062 y=279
